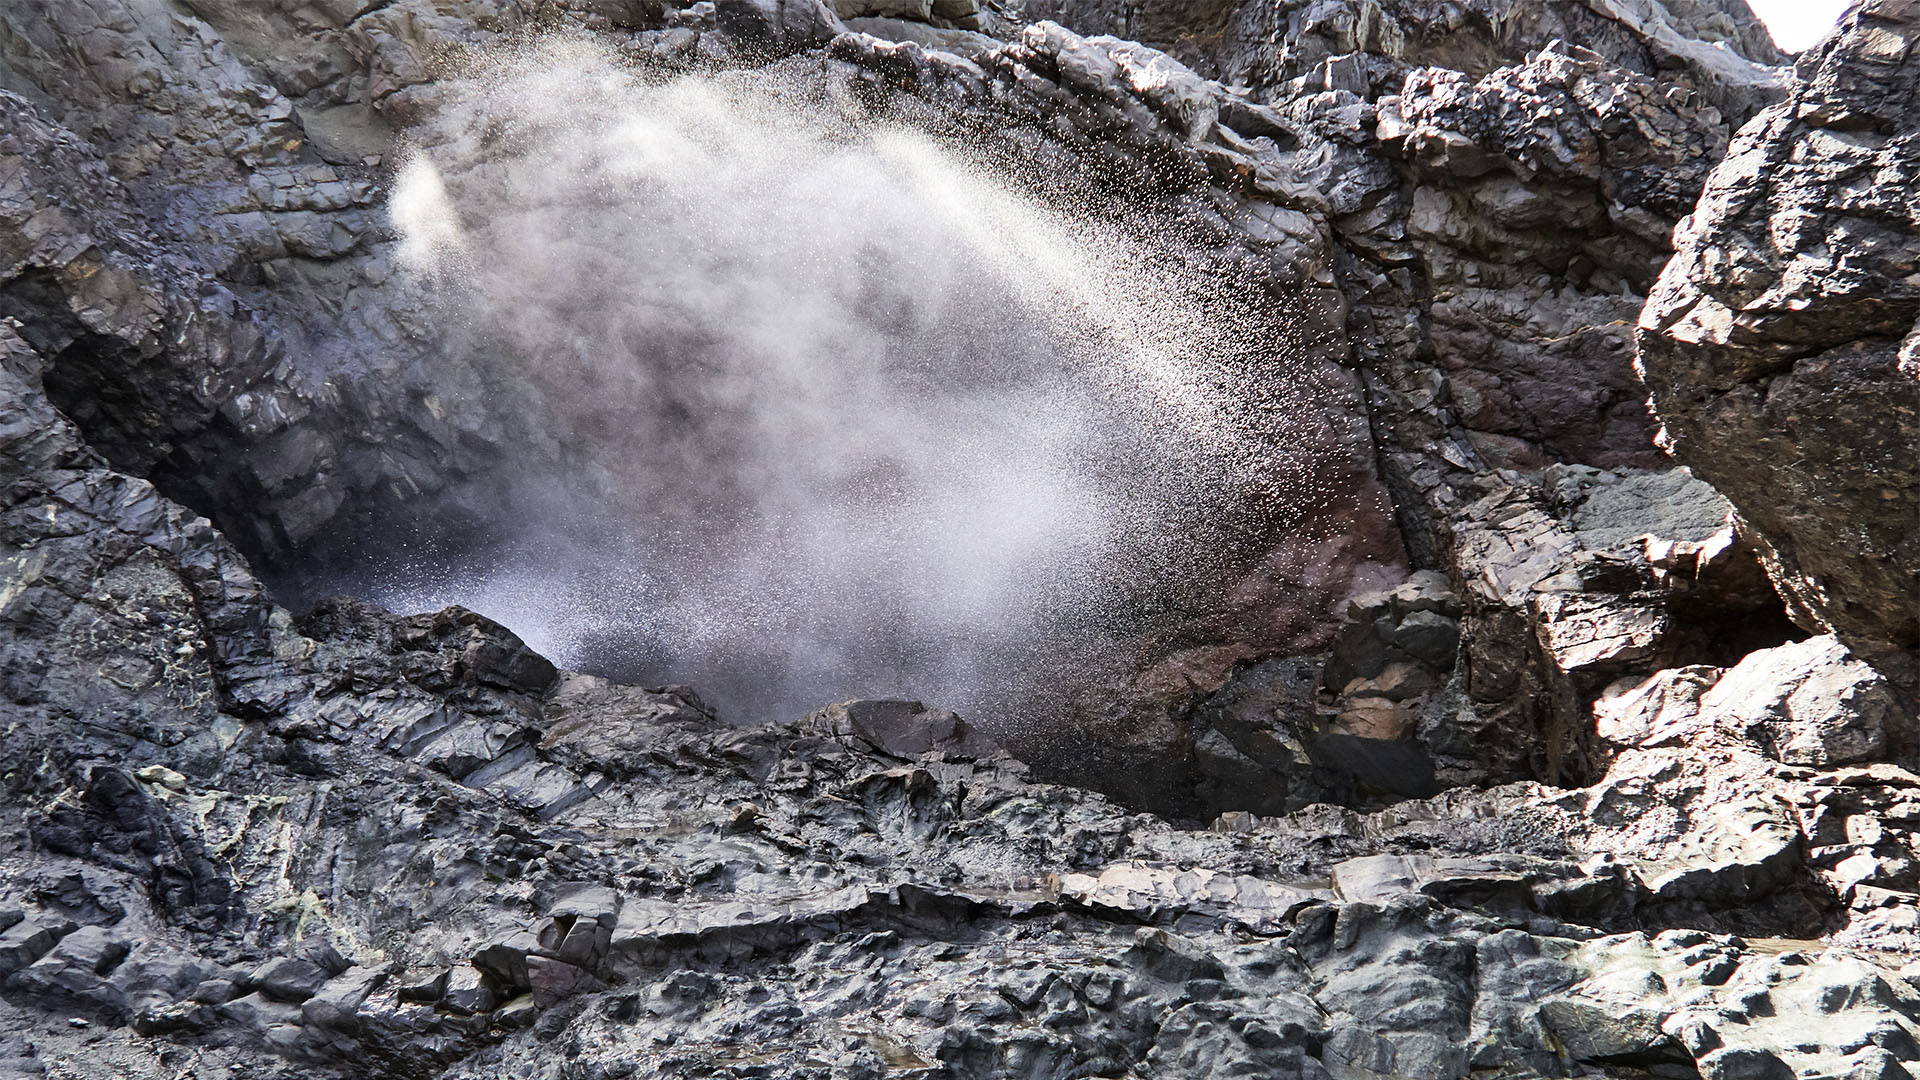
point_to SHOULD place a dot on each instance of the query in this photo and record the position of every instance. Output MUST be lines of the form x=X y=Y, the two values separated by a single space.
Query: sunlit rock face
x=1311 y=45
x=1780 y=344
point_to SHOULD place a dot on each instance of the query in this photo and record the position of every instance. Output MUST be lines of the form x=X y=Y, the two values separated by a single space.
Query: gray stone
x=93 y=948
x=1742 y=1063
x=906 y=729
x=1819 y=704
x=1594 y=1035
x=467 y=991
x=336 y=1006
x=1782 y=378
x=1454 y=207
x=1429 y=637
x=505 y=962
x=551 y=981
x=23 y=943
x=287 y=979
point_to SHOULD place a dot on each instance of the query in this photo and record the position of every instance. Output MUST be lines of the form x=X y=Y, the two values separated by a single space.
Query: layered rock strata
x=393 y=846
x=1458 y=240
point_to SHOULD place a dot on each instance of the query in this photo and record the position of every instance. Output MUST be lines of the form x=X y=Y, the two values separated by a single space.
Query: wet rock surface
x=1568 y=795
x=311 y=411
x=1456 y=233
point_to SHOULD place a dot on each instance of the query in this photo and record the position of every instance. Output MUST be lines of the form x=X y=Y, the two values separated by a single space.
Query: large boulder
x=1573 y=579
x=1781 y=344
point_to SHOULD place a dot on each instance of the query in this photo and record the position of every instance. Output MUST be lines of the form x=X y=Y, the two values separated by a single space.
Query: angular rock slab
x=1781 y=344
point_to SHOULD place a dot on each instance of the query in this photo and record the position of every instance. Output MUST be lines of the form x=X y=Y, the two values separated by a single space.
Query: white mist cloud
x=848 y=415
x=424 y=216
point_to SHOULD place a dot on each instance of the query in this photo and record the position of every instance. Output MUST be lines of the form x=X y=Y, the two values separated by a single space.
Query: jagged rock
x=904 y=729
x=467 y=991
x=1154 y=894
x=463 y=862
x=428 y=990
x=1818 y=705
x=1250 y=742
x=153 y=980
x=551 y=981
x=1596 y=1035
x=214 y=991
x=25 y=942
x=1564 y=600
x=1659 y=710
x=1416 y=621
x=1808 y=703
x=90 y=948
x=1779 y=344
x=1735 y=849
x=505 y=962
x=964 y=41
x=287 y=979
x=1265 y=745
x=1315 y=45
x=73 y=974
x=582 y=930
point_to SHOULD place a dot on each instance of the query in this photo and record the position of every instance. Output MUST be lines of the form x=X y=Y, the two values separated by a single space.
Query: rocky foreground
x=1615 y=779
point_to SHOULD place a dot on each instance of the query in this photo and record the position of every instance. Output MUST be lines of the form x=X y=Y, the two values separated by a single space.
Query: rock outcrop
x=380 y=846
x=1780 y=345
x=342 y=424
x=1457 y=235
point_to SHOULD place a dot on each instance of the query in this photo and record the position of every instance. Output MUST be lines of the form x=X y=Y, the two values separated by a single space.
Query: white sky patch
x=1798 y=24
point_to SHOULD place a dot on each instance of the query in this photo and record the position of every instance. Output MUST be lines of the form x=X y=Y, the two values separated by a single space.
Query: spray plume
x=841 y=410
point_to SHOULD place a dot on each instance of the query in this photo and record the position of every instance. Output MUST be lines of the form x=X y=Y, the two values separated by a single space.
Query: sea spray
x=848 y=410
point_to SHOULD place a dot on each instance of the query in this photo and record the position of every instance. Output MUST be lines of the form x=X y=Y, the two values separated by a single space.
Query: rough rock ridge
x=1455 y=254
x=409 y=846
x=1781 y=347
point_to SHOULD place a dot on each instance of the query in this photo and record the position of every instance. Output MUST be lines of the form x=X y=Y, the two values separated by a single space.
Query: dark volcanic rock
x=427 y=866
x=1454 y=209
x=1716 y=45
x=903 y=729
x=316 y=404
x=1780 y=345
x=241 y=842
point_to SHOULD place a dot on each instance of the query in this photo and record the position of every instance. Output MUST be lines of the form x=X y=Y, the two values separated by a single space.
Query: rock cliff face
x=1524 y=749
x=336 y=415
x=1785 y=328
x=1455 y=251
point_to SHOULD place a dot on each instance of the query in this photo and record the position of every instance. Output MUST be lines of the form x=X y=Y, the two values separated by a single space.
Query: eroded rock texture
x=277 y=370
x=1563 y=793
x=1780 y=345
x=409 y=846
x=1449 y=214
